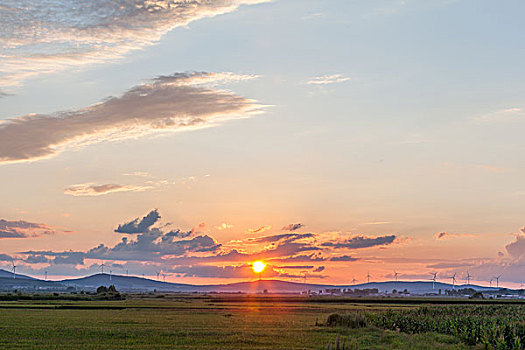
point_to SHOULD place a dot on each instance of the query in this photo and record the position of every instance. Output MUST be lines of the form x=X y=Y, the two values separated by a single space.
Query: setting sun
x=258 y=266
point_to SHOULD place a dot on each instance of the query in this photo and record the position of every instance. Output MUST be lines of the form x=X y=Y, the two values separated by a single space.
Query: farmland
x=229 y=322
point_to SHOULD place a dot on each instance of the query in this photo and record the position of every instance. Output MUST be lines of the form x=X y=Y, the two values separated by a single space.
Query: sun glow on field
x=258 y=266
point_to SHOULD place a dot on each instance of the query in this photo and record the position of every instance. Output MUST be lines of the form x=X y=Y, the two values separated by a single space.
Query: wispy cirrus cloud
x=23 y=229
x=506 y=115
x=174 y=103
x=327 y=79
x=292 y=227
x=42 y=37
x=91 y=189
x=447 y=235
x=260 y=229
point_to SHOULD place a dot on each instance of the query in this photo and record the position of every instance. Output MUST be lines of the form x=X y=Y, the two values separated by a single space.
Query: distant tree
x=394 y=291
x=477 y=295
x=112 y=289
x=102 y=289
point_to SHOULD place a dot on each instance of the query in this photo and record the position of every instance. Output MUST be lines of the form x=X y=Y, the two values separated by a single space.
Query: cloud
x=447 y=235
x=517 y=248
x=292 y=227
x=302 y=258
x=449 y=265
x=360 y=242
x=174 y=103
x=260 y=229
x=319 y=269
x=44 y=37
x=502 y=116
x=289 y=237
x=327 y=79
x=91 y=189
x=139 y=225
x=296 y=267
x=23 y=229
x=343 y=258
x=224 y=226
x=5 y=257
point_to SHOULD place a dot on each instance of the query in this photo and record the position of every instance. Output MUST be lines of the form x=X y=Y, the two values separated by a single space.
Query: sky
x=329 y=139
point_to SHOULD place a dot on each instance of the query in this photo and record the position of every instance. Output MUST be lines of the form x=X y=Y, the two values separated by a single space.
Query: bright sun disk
x=258 y=266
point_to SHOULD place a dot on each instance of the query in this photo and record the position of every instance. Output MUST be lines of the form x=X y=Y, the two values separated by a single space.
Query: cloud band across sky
x=178 y=102
x=45 y=36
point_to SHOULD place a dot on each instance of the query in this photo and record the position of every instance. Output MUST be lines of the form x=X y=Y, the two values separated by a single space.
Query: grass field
x=198 y=322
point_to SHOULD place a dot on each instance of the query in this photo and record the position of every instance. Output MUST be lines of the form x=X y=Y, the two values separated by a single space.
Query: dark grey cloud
x=289 y=237
x=343 y=258
x=302 y=258
x=298 y=267
x=214 y=271
x=36 y=259
x=170 y=103
x=23 y=229
x=139 y=225
x=5 y=257
x=360 y=242
x=73 y=258
x=292 y=227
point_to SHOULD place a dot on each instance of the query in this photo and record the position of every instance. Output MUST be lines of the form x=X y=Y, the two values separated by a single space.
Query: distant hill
x=138 y=284
x=8 y=274
x=126 y=283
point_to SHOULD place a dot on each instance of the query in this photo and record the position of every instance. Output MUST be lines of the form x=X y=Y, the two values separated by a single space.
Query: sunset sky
x=325 y=137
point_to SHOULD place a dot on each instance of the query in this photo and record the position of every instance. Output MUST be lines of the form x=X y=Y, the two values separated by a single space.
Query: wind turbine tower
x=45 y=273
x=434 y=275
x=102 y=267
x=14 y=270
x=468 y=277
x=395 y=275
x=368 y=277
x=497 y=280
x=453 y=277
x=110 y=272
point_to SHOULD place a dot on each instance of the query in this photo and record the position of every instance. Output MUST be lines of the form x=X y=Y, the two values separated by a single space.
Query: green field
x=213 y=322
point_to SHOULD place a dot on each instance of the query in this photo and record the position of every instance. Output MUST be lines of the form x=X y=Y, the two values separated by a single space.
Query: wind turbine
x=490 y=283
x=433 y=279
x=14 y=270
x=497 y=280
x=468 y=277
x=102 y=267
x=45 y=275
x=368 y=277
x=354 y=280
x=453 y=280
x=395 y=275
x=110 y=272
x=127 y=273
x=158 y=274
x=164 y=277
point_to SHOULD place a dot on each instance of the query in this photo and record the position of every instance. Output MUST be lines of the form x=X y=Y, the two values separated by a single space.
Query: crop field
x=244 y=322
